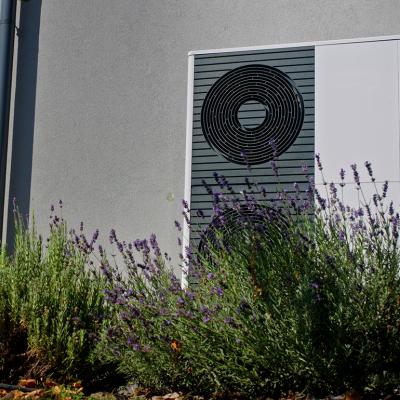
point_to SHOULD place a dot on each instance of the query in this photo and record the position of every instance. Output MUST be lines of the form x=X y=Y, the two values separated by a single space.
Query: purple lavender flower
x=175 y=286
x=385 y=189
x=131 y=340
x=180 y=301
x=204 y=310
x=359 y=212
x=369 y=169
x=391 y=208
x=135 y=312
x=200 y=213
x=153 y=241
x=95 y=236
x=274 y=147
x=274 y=167
x=244 y=306
x=263 y=191
x=206 y=319
x=186 y=217
x=216 y=177
x=112 y=237
x=333 y=190
x=245 y=159
x=124 y=316
x=105 y=269
x=207 y=187
x=318 y=159
x=356 y=176
x=342 y=236
x=315 y=285
x=138 y=244
x=210 y=276
x=154 y=245
x=185 y=205
x=178 y=226
x=304 y=168
x=190 y=295
x=120 y=247
x=225 y=184
x=219 y=292
x=189 y=252
x=321 y=200
x=395 y=223
x=248 y=183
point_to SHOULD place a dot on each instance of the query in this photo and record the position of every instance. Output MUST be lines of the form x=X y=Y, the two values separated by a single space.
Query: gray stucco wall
x=109 y=108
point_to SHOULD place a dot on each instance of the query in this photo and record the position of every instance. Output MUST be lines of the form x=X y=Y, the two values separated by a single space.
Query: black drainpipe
x=7 y=27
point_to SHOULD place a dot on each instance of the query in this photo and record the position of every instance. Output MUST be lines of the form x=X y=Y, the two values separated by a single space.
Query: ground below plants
x=30 y=389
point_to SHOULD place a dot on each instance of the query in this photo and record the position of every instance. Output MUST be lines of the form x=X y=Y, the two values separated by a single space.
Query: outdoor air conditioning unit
x=338 y=98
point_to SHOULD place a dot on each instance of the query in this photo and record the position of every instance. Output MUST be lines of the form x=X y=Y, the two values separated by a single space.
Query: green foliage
x=313 y=305
x=304 y=296
x=49 y=294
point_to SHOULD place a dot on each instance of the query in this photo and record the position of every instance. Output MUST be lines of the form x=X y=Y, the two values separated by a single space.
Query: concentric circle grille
x=245 y=222
x=282 y=114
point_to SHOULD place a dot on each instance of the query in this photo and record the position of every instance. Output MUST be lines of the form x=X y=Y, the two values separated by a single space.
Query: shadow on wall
x=24 y=111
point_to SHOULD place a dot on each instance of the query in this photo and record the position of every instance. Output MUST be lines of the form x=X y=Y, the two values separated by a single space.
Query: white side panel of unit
x=357 y=111
x=188 y=163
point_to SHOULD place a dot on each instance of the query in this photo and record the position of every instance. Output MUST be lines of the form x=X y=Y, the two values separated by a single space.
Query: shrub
x=297 y=298
x=51 y=301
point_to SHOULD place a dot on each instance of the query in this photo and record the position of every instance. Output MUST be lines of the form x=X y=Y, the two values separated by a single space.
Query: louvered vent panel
x=246 y=98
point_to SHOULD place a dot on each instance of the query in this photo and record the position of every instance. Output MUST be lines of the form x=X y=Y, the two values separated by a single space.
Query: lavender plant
x=287 y=294
x=51 y=301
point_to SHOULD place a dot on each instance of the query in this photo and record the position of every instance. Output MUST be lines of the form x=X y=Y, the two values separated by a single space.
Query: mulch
x=31 y=389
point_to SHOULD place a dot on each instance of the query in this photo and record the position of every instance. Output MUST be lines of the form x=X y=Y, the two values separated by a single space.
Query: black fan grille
x=282 y=117
x=243 y=220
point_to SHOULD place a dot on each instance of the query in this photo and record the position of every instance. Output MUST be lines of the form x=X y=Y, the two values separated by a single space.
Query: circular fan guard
x=244 y=221
x=252 y=83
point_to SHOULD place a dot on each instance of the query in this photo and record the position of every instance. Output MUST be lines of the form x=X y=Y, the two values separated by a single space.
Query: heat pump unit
x=339 y=98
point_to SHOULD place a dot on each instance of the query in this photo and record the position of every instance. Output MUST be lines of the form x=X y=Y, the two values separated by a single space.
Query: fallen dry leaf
x=176 y=346
x=34 y=394
x=17 y=394
x=77 y=384
x=29 y=383
x=353 y=395
x=56 y=390
x=139 y=391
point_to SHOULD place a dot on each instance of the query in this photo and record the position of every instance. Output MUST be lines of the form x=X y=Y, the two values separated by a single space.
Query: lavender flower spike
x=369 y=169
x=318 y=159
x=355 y=174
